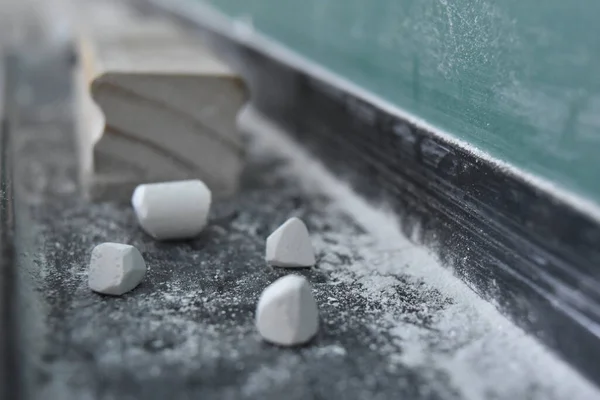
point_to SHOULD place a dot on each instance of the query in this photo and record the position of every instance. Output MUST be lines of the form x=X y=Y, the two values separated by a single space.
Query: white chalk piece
x=287 y=312
x=172 y=210
x=115 y=268
x=290 y=246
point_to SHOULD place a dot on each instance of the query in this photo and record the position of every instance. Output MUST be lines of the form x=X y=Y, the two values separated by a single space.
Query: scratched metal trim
x=512 y=242
x=9 y=358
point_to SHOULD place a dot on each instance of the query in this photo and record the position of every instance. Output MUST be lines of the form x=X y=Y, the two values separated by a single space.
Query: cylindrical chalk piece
x=172 y=210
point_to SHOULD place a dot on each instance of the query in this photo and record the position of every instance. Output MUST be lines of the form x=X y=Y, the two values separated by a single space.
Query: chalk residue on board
x=451 y=38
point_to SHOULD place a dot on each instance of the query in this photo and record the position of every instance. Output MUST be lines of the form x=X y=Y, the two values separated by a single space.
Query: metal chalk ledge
x=533 y=255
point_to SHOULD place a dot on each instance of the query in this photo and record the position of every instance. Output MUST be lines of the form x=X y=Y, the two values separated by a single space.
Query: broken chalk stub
x=287 y=312
x=115 y=268
x=290 y=246
x=172 y=210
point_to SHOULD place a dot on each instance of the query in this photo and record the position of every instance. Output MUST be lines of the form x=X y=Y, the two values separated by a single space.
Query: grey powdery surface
x=394 y=324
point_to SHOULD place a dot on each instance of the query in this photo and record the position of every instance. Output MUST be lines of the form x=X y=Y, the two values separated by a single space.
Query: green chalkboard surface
x=518 y=79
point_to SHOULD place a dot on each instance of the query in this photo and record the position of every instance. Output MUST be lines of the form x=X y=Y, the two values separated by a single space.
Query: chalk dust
x=482 y=352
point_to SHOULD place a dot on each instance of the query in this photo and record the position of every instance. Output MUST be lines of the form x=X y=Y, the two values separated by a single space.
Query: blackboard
x=517 y=79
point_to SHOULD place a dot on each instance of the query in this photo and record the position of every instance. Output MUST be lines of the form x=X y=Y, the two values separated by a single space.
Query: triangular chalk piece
x=287 y=313
x=290 y=246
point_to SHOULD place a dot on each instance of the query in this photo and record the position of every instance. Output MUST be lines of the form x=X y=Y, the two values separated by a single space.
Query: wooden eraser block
x=155 y=105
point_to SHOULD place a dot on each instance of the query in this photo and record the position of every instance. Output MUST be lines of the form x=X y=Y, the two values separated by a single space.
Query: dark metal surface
x=9 y=358
x=187 y=331
x=534 y=256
